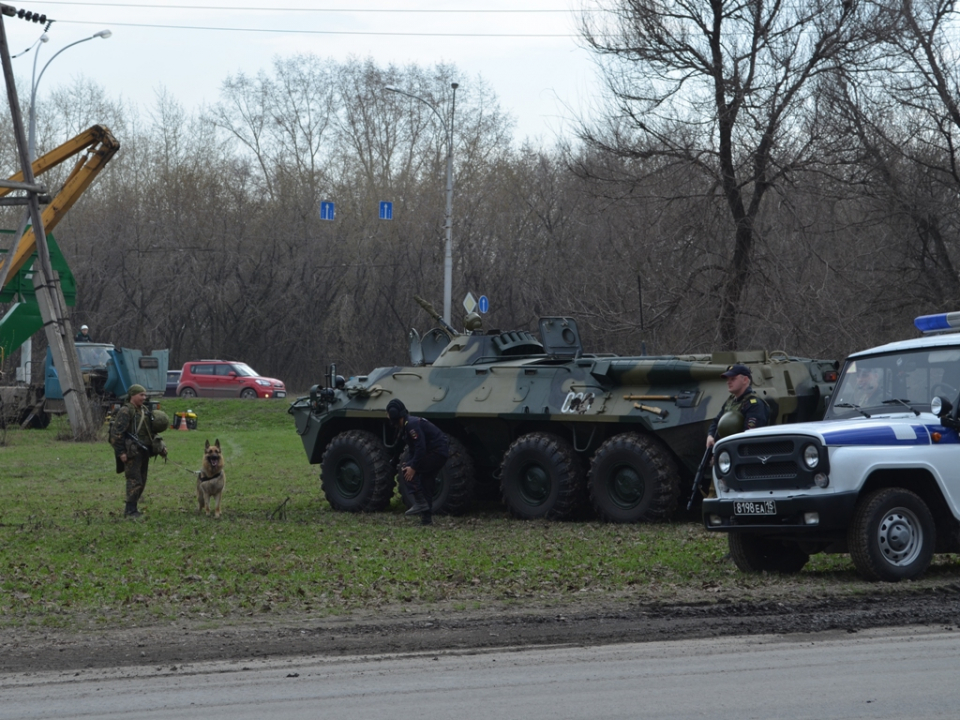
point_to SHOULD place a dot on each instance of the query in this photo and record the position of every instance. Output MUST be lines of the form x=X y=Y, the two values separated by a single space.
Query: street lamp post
x=448 y=245
x=32 y=129
x=26 y=349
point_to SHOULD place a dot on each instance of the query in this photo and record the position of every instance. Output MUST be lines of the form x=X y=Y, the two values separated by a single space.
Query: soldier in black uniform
x=743 y=400
x=427 y=452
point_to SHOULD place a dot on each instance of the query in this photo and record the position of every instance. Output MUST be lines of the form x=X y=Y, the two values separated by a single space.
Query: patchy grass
x=67 y=554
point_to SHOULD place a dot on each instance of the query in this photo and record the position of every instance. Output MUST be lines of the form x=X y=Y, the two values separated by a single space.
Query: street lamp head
x=454 y=85
x=103 y=34
x=390 y=88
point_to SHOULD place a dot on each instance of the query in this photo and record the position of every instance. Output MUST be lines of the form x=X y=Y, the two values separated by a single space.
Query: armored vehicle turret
x=558 y=431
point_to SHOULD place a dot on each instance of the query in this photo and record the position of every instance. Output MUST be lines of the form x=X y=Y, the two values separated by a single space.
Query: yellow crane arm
x=97 y=145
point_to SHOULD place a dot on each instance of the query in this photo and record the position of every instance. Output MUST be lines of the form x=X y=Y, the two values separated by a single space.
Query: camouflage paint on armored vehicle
x=558 y=429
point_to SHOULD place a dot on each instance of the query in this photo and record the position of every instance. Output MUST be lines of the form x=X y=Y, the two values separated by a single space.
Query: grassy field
x=68 y=557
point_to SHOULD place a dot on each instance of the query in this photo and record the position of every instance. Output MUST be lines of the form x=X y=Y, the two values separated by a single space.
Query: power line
x=322 y=32
x=310 y=10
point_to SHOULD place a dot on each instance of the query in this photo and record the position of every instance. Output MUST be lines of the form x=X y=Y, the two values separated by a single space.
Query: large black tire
x=356 y=474
x=756 y=554
x=40 y=420
x=633 y=479
x=541 y=477
x=454 y=490
x=892 y=536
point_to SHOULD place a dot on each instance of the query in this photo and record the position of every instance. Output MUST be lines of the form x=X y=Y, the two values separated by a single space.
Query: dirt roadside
x=173 y=646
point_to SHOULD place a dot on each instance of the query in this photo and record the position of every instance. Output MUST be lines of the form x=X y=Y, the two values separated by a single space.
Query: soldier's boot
x=426 y=517
x=419 y=504
x=131 y=510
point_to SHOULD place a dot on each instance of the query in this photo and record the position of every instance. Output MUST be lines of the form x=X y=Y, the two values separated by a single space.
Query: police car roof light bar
x=941 y=322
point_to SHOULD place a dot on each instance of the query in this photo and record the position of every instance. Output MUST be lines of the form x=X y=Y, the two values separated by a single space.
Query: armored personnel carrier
x=556 y=430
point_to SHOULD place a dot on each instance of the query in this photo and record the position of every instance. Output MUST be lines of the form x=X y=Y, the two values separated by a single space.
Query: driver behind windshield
x=869 y=391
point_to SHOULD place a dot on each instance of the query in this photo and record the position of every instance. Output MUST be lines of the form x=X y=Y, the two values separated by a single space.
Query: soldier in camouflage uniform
x=133 y=456
x=742 y=399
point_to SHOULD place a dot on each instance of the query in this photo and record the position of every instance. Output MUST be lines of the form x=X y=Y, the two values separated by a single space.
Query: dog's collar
x=204 y=478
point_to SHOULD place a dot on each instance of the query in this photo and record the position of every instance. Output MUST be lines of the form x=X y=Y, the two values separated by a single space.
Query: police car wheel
x=756 y=554
x=633 y=479
x=454 y=491
x=356 y=474
x=541 y=477
x=892 y=536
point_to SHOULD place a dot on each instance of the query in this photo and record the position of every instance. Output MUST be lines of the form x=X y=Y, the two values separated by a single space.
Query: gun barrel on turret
x=431 y=311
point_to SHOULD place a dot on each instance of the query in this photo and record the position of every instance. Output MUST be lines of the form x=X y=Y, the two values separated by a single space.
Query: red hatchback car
x=226 y=379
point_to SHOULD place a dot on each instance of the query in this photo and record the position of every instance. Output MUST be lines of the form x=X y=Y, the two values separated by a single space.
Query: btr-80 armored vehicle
x=559 y=429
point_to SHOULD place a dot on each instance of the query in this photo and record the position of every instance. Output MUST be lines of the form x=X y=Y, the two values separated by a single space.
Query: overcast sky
x=190 y=49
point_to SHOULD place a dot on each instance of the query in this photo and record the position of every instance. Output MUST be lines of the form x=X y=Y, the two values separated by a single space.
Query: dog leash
x=184 y=467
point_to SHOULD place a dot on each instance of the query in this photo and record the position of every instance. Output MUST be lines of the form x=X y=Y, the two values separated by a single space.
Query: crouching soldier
x=427 y=452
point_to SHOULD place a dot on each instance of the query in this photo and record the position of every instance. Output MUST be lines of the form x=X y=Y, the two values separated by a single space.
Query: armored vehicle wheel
x=453 y=494
x=188 y=392
x=355 y=473
x=541 y=477
x=892 y=535
x=755 y=554
x=633 y=479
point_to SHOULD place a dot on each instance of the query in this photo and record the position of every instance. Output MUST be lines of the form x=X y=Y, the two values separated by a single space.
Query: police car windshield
x=896 y=382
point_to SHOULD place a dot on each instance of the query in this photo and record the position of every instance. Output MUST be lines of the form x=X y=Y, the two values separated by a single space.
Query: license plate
x=280 y=394
x=765 y=507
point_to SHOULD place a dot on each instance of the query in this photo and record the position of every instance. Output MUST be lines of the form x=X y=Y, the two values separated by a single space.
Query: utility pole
x=45 y=281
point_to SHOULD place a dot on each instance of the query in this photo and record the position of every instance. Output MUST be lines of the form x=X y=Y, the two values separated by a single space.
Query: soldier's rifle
x=137 y=441
x=698 y=478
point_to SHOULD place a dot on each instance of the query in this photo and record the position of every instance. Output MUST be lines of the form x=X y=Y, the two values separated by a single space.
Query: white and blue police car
x=878 y=477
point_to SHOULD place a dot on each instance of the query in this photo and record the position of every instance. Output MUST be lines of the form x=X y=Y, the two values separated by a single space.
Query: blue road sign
x=326 y=211
x=483 y=304
x=386 y=210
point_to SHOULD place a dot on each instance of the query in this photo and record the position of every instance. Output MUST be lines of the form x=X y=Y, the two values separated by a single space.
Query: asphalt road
x=877 y=674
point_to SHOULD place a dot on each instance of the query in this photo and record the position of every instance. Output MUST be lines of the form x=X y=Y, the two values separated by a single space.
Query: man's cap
x=135 y=390
x=84 y=327
x=735 y=370
x=396 y=410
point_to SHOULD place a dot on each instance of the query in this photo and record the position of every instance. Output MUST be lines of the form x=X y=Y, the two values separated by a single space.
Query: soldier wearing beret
x=743 y=400
x=131 y=435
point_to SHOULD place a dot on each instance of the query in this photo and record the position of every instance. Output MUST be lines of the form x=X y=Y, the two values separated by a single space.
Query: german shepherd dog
x=211 y=479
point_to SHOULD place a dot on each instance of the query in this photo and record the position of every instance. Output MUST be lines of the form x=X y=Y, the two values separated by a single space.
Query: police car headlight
x=811 y=456
x=723 y=462
x=940 y=406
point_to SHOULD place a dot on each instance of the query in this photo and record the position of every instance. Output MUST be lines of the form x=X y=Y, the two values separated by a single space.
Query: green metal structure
x=23 y=319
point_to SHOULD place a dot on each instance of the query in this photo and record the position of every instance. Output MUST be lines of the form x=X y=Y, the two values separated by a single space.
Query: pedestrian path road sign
x=386 y=210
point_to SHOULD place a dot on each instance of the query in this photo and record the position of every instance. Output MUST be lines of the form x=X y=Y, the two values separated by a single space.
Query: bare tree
x=721 y=87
